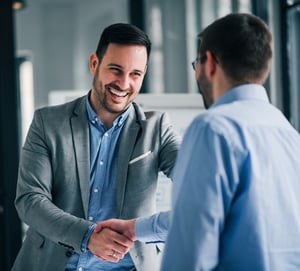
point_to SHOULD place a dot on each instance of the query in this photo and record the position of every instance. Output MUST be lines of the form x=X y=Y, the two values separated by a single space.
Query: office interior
x=45 y=47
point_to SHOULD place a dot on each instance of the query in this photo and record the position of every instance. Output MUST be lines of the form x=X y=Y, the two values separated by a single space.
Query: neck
x=106 y=117
x=220 y=85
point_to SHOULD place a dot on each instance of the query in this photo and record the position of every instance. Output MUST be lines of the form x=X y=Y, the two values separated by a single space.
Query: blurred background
x=44 y=53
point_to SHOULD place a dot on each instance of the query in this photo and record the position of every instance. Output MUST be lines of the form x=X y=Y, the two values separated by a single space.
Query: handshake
x=112 y=239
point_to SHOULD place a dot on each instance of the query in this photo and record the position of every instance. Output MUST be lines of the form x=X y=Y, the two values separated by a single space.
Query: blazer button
x=69 y=253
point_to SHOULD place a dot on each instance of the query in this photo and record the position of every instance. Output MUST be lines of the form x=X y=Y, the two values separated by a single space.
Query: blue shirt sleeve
x=87 y=237
x=153 y=229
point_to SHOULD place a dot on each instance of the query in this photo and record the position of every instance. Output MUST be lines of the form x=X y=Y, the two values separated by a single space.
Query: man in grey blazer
x=92 y=159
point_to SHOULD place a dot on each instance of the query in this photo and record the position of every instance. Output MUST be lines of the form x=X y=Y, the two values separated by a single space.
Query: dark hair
x=122 y=33
x=241 y=43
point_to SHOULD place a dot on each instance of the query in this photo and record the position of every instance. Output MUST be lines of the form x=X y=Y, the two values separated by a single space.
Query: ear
x=211 y=64
x=93 y=63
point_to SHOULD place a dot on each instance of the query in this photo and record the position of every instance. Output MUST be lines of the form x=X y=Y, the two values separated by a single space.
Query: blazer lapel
x=126 y=146
x=80 y=133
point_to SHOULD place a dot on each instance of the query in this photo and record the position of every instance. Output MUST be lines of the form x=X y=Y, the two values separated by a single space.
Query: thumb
x=101 y=225
x=98 y=227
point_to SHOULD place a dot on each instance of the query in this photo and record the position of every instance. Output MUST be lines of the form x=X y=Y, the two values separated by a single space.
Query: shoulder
x=216 y=123
x=66 y=109
x=150 y=116
x=143 y=114
x=154 y=122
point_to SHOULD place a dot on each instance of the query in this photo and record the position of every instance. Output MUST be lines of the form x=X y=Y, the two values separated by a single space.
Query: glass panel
x=292 y=2
x=26 y=94
x=293 y=42
x=173 y=26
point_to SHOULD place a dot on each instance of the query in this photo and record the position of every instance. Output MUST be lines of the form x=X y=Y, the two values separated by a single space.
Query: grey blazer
x=54 y=175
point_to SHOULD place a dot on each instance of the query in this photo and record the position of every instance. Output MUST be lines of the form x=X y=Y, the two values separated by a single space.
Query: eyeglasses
x=202 y=60
x=195 y=62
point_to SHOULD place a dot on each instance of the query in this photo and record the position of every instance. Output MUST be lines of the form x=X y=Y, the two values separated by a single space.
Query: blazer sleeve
x=170 y=142
x=41 y=191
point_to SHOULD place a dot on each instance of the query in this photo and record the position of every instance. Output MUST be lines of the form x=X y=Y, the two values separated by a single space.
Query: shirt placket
x=100 y=179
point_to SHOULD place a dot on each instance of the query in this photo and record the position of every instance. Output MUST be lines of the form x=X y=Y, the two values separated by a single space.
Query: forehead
x=121 y=54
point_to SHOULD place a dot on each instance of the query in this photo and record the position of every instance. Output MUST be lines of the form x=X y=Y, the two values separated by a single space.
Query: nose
x=124 y=81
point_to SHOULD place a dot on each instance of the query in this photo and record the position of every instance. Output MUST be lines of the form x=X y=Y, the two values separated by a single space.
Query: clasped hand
x=112 y=239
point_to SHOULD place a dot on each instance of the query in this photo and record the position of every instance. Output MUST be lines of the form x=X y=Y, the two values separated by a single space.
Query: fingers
x=116 y=256
x=109 y=245
x=119 y=239
x=103 y=224
x=110 y=223
x=124 y=227
x=98 y=227
x=113 y=255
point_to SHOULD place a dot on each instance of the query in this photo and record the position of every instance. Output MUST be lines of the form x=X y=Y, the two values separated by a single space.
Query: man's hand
x=109 y=245
x=125 y=227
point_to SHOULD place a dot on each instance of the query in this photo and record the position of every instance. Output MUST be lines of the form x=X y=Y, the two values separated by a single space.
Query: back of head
x=241 y=43
x=122 y=34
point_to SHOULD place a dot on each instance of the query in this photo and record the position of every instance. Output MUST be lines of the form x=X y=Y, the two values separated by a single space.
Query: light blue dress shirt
x=102 y=205
x=236 y=182
x=153 y=229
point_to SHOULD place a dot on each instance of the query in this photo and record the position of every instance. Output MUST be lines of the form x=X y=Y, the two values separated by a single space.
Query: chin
x=117 y=109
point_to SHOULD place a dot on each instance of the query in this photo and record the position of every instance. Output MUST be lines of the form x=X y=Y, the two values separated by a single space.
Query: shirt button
x=106 y=134
x=96 y=190
x=91 y=218
x=80 y=269
x=101 y=163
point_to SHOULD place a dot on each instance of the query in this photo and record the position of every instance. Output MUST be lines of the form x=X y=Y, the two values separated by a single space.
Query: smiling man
x=92 y=159
x=117 y=80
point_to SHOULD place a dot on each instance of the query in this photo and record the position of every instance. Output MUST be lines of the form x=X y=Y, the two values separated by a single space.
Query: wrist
x=132 y=231
x=87 y=236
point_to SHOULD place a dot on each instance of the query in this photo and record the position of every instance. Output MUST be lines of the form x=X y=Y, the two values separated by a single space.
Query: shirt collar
x=243 y=92
x=93 y=117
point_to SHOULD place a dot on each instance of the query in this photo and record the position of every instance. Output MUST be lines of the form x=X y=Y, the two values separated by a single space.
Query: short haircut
x=124 y=34
x=241 y=43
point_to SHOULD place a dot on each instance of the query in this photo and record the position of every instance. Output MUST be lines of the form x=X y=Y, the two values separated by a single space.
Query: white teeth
x=119 y=94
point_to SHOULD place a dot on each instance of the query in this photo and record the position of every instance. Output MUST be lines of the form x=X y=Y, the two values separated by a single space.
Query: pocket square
x=139 y=157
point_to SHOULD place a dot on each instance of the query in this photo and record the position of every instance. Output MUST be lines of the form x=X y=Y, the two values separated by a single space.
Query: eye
x=115 y=70
x=138 y=74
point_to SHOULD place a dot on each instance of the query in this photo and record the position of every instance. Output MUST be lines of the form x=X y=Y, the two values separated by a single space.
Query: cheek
x=137 y=84
x=105 y=79
x=197 y=73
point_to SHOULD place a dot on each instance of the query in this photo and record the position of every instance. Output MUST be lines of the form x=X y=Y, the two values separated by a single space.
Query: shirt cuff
x=86 y=237
x=152 y=229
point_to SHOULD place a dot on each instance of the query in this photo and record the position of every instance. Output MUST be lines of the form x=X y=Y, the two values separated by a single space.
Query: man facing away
x=92 y=159
x=236 y=181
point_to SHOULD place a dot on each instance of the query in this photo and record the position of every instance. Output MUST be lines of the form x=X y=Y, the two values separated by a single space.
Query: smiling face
x=117 y=78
